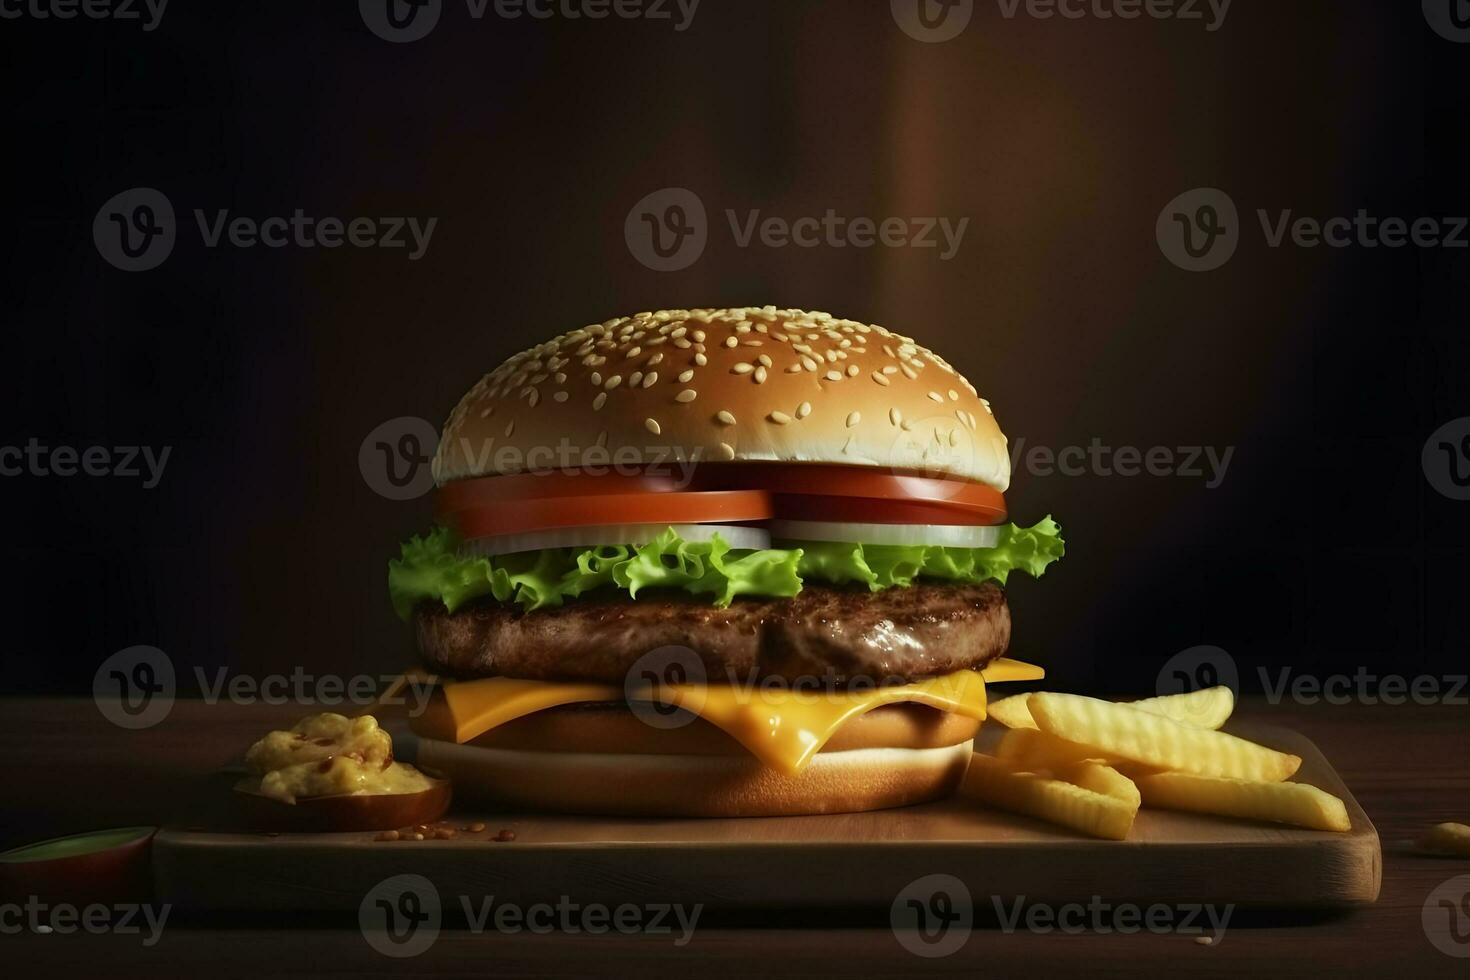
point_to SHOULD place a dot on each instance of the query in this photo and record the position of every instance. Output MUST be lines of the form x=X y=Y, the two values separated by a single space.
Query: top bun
x=748 y=384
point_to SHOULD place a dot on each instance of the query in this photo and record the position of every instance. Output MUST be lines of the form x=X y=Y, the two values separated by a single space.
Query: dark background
x=263 y=548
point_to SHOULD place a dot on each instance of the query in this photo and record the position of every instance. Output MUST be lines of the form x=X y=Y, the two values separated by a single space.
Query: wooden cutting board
x=839 y=861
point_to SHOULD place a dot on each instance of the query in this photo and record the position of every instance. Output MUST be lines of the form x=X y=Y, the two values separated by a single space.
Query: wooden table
x=70 y=770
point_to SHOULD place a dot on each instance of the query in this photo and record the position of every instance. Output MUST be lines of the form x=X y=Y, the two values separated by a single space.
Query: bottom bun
x=697 y=785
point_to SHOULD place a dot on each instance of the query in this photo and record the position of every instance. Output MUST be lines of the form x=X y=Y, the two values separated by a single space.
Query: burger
x=715 y=562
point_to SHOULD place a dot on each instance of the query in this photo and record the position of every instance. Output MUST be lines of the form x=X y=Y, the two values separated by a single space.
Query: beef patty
x=838 y=635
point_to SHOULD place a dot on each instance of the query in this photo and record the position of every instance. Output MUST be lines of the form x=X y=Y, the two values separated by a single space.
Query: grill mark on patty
x=840 y=635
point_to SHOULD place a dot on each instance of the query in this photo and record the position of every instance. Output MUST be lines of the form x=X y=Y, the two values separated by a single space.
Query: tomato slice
x=534 y=486
x=807 y=492
x=718 y=493
x=867 y=510
x=537 y=514
x=848 y=481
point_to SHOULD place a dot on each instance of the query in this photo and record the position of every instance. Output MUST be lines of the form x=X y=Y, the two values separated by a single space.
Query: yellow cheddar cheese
x=784 y=727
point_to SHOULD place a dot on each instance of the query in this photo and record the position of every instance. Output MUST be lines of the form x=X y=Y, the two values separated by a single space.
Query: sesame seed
x=954 y=396
x=909 y=372
x=727 y=451
x=908 y=425
x=658 y=356
x=808 y=363
x=881 y=379
x=510 y=427
x=935 y=396
x=597 y=379
x=834 y=375
x=765 y=360
x=847 y=446
x=487 y=412
x=794 y=369
x=613 y=382
x=852 y=370
x=853 y=418
x=652 y=426
x=682 y=344
x=534 y=398
x=725 y=417
x=599 y=401
x=560 y=378
x=685 y=375
x=701 y=360
x=760 y=375
x=895 y=417
x=698 y=336
x=678 y=331
x=602 y=438
x=732 y=341
x=780 y=418
x=803 y=410
x=634 y=378
x=890 y=369
x=753 y=343
x=687 y=395
x=560 y=396
x=649 y=379
x=633 y=352
x=742 y=368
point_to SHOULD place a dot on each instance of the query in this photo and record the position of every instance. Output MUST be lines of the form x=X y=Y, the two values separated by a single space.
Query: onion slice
x=946 y=535
x=736 y=535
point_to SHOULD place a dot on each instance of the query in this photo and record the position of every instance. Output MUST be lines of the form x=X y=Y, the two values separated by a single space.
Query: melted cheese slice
x=783 y=728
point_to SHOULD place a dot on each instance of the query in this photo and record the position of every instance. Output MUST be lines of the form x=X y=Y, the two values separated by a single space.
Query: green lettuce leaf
x=430 y=567
x=1029 y=549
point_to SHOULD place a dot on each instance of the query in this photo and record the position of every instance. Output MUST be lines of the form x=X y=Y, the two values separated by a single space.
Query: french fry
x=1116 y=731
x=1446 y=839
x=1209 y=707
x=992 y=781
x=1011 y=712
x=1293 y=803
x=1101 y=778
x=1030 y=749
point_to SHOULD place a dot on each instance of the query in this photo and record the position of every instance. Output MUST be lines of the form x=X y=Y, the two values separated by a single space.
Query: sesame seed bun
x=748 y=384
